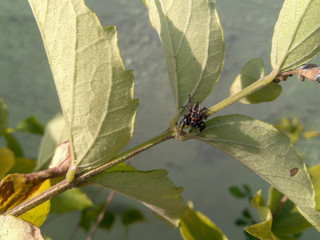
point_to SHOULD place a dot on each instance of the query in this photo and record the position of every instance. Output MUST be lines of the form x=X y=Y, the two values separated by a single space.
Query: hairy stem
x=83 y=177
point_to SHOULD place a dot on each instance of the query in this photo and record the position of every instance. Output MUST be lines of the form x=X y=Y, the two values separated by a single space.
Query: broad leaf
x=267 y=152
x=17 y=188
x=192 y=40
x=153 y=188
x=90 y=215
x=3 y=117
x=131 y=216
x=195 y=225
x=31 y=125
x=296 y=34
x=94 y=89
x=12 y=228
x=13 y=143
x=23 y=165
x=55 y=133
x=286 y=217
x=251 y=72
x=70 y=200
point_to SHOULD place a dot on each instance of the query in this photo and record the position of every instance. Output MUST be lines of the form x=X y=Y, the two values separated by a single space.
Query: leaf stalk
x=83 y=177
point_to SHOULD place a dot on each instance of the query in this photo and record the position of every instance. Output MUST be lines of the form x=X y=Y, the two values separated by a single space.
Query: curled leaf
x=251 y=72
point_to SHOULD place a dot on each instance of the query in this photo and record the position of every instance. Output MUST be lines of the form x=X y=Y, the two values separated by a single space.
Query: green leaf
x=71 y=200
x=23 y=165
x=94 y=89
x=6 y=161
x=192 y=40
x=152 y=188
x=31 y=125
x=131 y=216
x=3 y=117
x=262 y=230
x=236 y=192
x=296 y=34
x=108 y=220
x=315 y=178
x=89 y=216
x=267 y=152
x=195 y=225
x=55 y=133
x=287 y=219
x=251 y=72
x=13 y=144
x=22 y=229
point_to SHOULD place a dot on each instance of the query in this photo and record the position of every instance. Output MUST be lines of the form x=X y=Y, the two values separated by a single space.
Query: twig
x=282 y=201
x=101 y=216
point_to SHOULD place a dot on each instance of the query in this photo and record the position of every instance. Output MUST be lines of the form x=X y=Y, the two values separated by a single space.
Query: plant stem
x=83 y=177
x=260 y=83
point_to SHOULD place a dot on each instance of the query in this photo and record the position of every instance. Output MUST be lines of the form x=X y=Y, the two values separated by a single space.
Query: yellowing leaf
x=296 y=34
x=195 y=225
x=39 y=214
x=12 y=228
x=6 y=161
x=16 y=188
x=95 y=91
x=192 y=39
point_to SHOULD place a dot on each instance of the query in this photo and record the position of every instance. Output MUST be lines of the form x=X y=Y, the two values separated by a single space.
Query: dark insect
x=194 y=117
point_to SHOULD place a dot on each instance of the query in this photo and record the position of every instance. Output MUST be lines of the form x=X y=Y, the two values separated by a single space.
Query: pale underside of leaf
x=267 y=152
x=296 y=34
x=12 y=228
x=192 y=39
x=95 y=91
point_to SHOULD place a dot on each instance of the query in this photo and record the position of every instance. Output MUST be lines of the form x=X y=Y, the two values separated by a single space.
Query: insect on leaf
x=296 y=34
x=95 y=90
x=192 y=40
